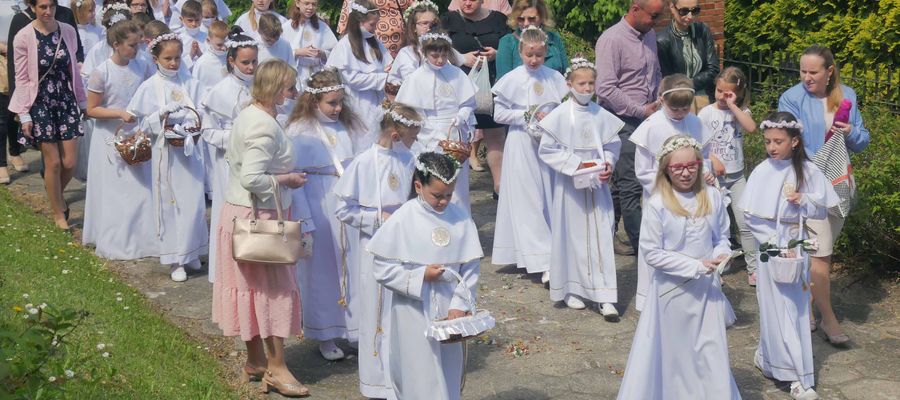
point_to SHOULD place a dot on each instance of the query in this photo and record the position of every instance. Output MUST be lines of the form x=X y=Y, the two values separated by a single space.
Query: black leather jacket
x=671 y=57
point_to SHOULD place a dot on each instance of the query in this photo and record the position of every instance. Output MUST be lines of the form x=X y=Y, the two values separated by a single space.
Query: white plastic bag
x=480 y=76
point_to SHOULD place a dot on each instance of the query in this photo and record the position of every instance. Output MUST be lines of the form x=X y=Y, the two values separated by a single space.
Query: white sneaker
x=574 y=302
x=545 y=277
x=609 y=312
x=178 y=274
x=194 y=265
x=799 y=393
x=330 y=350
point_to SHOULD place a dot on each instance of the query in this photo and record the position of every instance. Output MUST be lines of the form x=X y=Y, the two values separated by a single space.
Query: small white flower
x=42 y=306
x=70 y=374
x=29 y=305
x=24 y=295
x=54 y=343
x=32 y=311
x=105 y=354
x=125 y=308
x=52 y=379
x=101 y=346
x=65 y=271
x=118 y=299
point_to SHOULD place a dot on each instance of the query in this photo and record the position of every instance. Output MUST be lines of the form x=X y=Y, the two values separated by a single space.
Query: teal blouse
x=508 y=53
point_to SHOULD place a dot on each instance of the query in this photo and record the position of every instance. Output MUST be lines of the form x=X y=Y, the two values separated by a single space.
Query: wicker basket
x=458 y=149
x=195 y=131
x=134 y=149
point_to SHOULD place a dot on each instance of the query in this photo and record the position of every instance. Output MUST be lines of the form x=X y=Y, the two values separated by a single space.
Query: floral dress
x=55 y=113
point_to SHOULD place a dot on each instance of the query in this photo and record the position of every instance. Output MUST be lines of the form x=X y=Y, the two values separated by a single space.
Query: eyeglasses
x=685 y=11
x=691 y=167
x=429 y=24
x=532 y=18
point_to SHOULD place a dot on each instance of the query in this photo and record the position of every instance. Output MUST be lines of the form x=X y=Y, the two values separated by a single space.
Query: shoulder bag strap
x=55 y=55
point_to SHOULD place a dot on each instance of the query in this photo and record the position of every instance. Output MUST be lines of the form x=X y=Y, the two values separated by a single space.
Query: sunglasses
x=685 y=11
x=680 y=168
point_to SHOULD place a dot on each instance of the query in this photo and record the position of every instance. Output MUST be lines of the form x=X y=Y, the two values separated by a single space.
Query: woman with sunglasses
x=687 y=47
x=527 y=13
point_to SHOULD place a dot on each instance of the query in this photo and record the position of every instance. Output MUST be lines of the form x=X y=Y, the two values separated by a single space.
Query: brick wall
x=713 y=14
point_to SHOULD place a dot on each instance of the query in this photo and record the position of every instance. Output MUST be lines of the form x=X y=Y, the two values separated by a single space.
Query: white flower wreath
x=579 y=63
x=420 y=5
x=676 y=144
x=435 y=36
x=162 y=38
x=781 y=125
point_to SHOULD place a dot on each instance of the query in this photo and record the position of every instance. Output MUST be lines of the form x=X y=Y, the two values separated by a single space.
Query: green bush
x=586 y=19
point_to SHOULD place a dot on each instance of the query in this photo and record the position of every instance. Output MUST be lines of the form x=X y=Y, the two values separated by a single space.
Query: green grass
x=149 y=357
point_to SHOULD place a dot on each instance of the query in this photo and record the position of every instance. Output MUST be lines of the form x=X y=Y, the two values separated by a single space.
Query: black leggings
x=9 y=132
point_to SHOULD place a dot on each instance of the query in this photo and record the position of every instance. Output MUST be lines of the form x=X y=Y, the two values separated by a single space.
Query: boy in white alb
x=271 y=44
x=193 y=37
x=211 y=67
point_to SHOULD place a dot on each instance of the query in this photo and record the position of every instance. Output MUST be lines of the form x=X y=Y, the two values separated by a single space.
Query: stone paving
x=541 y=349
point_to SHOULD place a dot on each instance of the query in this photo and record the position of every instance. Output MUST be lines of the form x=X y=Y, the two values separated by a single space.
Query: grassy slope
x=151 y=358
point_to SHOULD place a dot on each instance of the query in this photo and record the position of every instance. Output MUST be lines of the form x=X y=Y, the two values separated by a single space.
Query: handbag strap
x=279 y=211
x=55 y=56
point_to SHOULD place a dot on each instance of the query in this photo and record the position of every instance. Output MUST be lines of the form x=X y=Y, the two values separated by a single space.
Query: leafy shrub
x=586 y=19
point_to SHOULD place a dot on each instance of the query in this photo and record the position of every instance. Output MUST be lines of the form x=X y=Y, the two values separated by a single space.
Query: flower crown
x=326 y=89
x=354 y=6
x=435 y=36
x=117 y=17
x=409 y=123
x=233 y=44
x=420 y=6
x=678 y=143
x=781 y=125
x=113 y=6
x=579 y=63
x=530 y=28
x=430 y=171
x=79 y=3
x=162 y=38
x=678 y=89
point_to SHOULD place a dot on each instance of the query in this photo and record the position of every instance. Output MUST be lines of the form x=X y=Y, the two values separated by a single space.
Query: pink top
x=25 y=46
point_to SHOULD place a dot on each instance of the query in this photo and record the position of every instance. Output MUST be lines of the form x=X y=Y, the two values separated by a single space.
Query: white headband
x=435 y=36
x=117 y=17
x=162 y=38
x=781 y=125
x=678 y=89
x=676 y=144
x=113 y=6
x=326 y=89
x=354 y=6
x=419 y=6
x=428 y=171
x=530 y=28
x=403 y=120
x=232 y=44
x=579 y=63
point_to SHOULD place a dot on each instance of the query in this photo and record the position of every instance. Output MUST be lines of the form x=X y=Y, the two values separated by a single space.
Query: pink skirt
x=251 y=299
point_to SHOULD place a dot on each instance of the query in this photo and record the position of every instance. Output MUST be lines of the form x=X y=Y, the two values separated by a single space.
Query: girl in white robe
x=311 y=39
x=249 y=21
x=445 y=97
x=178 y=172
x=220 y=106
x=786 y=182
x=522 y=231
x=680 y=349
x=375 y=184
x=410 y=57
x=363 y=62
x=318 y=129
x=674 y=118
x=577 y=134
x=118 y=192
x=412 y=249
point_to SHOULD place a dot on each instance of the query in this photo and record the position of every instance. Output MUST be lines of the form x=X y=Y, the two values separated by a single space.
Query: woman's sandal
x=836 y=340
x=284 y=389
x=252 y=375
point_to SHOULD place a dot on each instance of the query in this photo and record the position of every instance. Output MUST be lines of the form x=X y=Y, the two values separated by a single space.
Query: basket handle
x=196 y=114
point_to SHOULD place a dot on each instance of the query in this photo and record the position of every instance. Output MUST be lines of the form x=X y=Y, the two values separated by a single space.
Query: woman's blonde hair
x=521 y=5
x=308 y=103
x=664 y=184
x=270 y=78
x=680 y=90
x=83 y=12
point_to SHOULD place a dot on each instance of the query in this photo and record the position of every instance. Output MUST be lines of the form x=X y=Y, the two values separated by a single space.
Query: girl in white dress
x=100 y=51
x=522 y=231
x=178 y=172
x=363 y=62
x=375 y=184
x=413 y=248
x=789 y=184
x=318 y=128
x=89 y=31
x=249 y=21
x=311 y=39
x=118 y=192
x=445 y=97
x=673 y=118
x=220 y=106
x=579 y=134
x=680 y=350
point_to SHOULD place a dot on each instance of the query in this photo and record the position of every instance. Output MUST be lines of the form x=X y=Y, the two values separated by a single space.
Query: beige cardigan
x=257 y=149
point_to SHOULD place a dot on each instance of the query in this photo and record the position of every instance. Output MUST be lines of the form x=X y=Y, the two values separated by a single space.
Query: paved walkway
x=542 y=350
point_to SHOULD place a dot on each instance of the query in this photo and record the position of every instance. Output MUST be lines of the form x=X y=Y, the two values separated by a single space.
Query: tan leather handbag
x=267 y=241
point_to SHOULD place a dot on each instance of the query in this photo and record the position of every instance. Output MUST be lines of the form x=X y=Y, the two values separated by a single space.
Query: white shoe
x=178 y=274
x=609 y=312
x=194 y=265
x=799 y=393
x=574 y=302
x=545 y=277
x=330 y=350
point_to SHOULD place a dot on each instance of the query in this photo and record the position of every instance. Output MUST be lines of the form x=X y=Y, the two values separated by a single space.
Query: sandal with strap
x=284 y=389
x=836 y=340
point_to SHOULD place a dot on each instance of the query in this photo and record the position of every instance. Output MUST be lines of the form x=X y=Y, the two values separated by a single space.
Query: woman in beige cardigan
x=259 y=302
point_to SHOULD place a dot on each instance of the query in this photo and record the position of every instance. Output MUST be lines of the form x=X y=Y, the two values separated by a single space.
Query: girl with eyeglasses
x=527 y=13
x=687 y=47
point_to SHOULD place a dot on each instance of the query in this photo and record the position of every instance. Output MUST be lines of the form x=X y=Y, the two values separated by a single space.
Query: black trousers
x=626 y=190
x=9 y=132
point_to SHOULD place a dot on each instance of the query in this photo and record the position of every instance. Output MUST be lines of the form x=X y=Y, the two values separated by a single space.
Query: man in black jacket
x=687 y=47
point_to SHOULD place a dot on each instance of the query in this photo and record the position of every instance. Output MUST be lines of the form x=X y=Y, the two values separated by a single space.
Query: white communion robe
x=680 y=349
x=281 y=50
x=442 y=96
x=220 y=106
x=376 y=181
x=118 y=211
x=581 y=252
x=648 y=138
x=305 y=35
x=411 y=239
x=209 y=70
x=522 y=230
x=785 y=347
x=407 y=61
x=243 y=21
x=364 y=83
x=322 y=149
x=178 y=190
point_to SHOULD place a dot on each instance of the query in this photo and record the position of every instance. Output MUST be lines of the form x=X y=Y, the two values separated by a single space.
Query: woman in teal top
x=526 y=13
